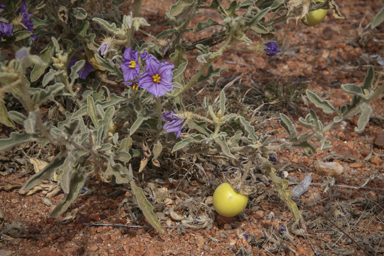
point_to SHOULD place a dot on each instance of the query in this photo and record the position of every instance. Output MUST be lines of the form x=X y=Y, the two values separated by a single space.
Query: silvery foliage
x=102 y=132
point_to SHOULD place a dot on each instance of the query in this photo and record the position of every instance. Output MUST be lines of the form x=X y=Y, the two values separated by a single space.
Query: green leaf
x=200 y=127
x=234 y=140
x=77 y=183
x=220 y=140
x=146 y=207
x=379 y=18
x=38 y=22
x=47 y=172
x=178 y=57
x=182 y=144
x=113 y=68
x=16 y=139
x=140 y=119
x=91 y=109
x=157 y=149
x=21 y=34
x=177 y=8
x=260 y=29
x=366 y=112
x=119 y=172
x=46 y=56
x=180 y=70
x=323 y=104
x=222 y=102
x=257 y=18
x=308 y=148
x=67 y=171
x=166 y=33
x=249 y=129
x=368 y=80
x=353 y=89
x=48 y=77
x=107 y=120
x=11 y=5
x=315 y=120
x=202 y=25
x=75 y=69
x=289 y=127
x=112 y=28
x=79 y=13
x=89 y=39
x=17 y=117
x=210 y=74
x=42 y=95
x=4 y=119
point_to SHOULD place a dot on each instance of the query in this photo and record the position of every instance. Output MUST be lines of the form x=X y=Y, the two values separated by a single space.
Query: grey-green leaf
x=4 y=119
x=46 y=56
x=92 y=111
x=146 y=207
x=47 y=172
x=77 y=183
x=289 y=127
x=368 y=80
x=224 y=146
x=177 y=8
x=366 y=112
x=379 y=18
x=323 y=104
x=249 y=128
x=16 y=139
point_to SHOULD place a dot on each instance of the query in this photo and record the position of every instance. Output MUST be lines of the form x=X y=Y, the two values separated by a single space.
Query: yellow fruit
x=315 y=17
x=227 y=201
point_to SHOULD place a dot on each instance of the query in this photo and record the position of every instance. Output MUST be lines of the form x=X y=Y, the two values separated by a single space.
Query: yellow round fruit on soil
x=315 y=17
x=227 y=201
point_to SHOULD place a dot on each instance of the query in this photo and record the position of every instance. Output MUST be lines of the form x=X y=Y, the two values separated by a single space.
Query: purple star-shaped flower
x=272 y=48
x=173 y=123
x=130 y=64
x=26 y=19
x=2 y=6
x=85 y=70
x=5 y=29
x=157 y=78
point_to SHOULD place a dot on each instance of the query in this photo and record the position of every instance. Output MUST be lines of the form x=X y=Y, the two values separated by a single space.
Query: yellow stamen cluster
x=133 y=64
x=135 y=87
x=156 y=78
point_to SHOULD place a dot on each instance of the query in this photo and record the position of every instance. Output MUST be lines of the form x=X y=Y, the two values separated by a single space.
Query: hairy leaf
x=47 y=173
x=177 y=8
x=16 y=139
x=249 y=129
x=220 y=140
x=146 y=207
x=366 y=112
x=379 y=18
x=323 y=104
x=289 y=127
x=202 y=25
x=46 y=56
x=4 y=119
x=77 y=183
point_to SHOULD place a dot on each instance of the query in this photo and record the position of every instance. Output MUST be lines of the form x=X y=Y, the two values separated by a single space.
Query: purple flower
x=130 y=64
x=173 y=123
x=2 y=6
x=26 y=19
x=272 y=48
x=103 y=50
x=85 y=70
x=5 y=29
x=144 y=55
x=157 y=78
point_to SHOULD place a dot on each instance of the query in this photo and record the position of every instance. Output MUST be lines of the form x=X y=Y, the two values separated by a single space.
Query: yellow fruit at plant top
x=315 y=17
x=227 y=201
